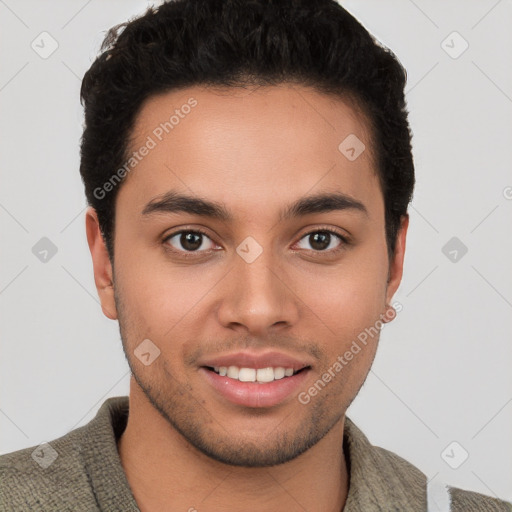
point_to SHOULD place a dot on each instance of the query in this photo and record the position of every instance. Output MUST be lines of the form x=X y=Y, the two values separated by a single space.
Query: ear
x=396 y=265
x=103 y=275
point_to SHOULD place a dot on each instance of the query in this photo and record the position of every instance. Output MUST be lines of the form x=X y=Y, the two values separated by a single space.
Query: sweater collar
x=379 y=479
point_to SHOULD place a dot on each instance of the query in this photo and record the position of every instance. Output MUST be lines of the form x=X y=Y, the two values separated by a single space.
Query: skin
x=255 y=151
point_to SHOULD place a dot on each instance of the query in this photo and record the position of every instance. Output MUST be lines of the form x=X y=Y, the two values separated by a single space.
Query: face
x=250 y=254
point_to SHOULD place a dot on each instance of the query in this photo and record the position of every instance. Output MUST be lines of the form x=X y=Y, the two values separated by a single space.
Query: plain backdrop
x=443 y=369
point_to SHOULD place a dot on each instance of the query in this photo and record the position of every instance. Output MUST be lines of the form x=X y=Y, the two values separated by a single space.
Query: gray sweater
x=82 y=472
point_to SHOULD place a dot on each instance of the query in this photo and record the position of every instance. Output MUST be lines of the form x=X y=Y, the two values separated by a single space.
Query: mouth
x=255 y=380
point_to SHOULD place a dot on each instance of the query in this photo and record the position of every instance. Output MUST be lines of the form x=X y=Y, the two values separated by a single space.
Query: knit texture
x=87 y=474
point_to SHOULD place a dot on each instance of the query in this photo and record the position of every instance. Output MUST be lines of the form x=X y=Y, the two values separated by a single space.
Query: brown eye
x=321 y=241
x=189 y=241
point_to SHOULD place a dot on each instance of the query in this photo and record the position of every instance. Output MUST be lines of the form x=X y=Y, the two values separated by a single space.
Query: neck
x=168 y=474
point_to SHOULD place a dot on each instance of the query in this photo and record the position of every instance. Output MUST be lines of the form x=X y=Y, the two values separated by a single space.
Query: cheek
x=349 y=295
x=348 y=301
x=161 y=299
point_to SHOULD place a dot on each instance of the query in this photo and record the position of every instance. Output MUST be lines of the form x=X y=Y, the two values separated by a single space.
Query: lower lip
x=255 y=394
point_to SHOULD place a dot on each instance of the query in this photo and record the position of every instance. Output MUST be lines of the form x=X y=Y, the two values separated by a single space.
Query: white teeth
x=279 y=373
x=247 y=375
x=233 y=372
x=252 y=375
x=265 y=375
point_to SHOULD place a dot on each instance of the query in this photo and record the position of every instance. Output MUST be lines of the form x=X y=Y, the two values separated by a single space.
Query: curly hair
x=231 y=43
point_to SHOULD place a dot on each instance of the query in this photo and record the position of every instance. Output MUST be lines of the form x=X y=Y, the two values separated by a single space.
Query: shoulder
x=68 y=473
x=380 y=476
x=468 y=501
x=461 y=500
x=45 y=477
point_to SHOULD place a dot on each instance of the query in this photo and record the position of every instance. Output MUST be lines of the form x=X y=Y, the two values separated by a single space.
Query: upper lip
x=247 y=359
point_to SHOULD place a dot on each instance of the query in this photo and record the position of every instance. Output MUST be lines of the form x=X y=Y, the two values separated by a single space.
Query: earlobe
x=103 y=275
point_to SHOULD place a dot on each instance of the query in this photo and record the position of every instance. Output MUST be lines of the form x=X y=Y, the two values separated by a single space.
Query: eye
x=322 y=240
x=190 y=241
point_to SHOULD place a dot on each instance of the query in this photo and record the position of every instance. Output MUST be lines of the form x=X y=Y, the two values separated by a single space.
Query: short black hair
x=233 y=43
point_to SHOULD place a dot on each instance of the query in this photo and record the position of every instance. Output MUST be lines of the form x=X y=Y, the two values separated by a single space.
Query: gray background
x=442 y=372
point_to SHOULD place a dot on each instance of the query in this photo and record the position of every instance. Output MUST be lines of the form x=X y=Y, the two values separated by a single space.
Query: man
x=248 y=168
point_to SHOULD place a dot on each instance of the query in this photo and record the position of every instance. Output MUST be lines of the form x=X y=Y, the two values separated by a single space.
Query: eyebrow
x=174 y=202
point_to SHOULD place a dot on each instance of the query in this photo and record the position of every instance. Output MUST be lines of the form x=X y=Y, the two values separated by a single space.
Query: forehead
x=237 y=143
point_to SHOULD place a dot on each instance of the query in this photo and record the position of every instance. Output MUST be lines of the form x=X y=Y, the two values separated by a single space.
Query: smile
x=261 y=375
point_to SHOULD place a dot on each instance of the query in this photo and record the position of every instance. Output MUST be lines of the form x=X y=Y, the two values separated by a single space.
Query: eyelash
x=193 y=254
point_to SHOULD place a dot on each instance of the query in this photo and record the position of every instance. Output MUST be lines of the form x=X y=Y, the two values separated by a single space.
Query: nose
x=258 y=297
